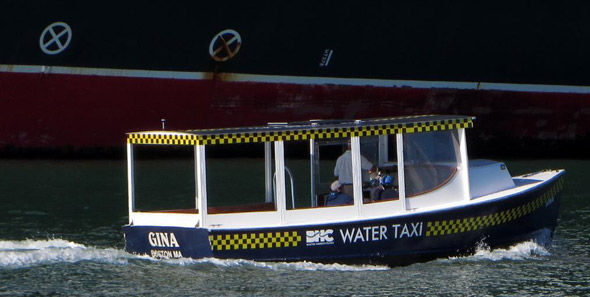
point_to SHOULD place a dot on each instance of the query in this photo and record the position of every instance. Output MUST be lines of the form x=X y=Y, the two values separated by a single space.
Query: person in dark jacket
x=337 y=197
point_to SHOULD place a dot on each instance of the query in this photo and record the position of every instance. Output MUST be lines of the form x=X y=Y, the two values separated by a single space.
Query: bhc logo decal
x=319 y=237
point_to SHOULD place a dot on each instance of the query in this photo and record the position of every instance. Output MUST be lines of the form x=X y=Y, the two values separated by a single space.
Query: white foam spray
x=300 y=266
x=529 y=250
x=28 y=253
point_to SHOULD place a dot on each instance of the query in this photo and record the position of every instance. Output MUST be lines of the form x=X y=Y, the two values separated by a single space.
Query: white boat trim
x=297 y=80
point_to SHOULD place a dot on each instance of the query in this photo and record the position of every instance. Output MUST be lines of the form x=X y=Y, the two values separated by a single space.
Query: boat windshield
x=430 y=160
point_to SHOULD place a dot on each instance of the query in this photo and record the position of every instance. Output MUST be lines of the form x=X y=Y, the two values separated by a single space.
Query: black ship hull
x=75 y=76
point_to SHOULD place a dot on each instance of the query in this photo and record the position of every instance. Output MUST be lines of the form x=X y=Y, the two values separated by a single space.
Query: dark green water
x=61 y=236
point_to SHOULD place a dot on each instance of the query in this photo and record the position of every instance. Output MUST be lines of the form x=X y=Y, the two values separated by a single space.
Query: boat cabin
x=286 y=173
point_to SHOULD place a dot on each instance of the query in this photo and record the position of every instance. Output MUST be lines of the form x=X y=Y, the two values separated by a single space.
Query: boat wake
x=278 y=266
x=529 y=250
x=31 y=253
x=300 y=266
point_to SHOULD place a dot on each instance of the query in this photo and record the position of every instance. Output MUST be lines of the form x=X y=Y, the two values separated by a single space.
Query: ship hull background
x=520 y=69
x=417 y=237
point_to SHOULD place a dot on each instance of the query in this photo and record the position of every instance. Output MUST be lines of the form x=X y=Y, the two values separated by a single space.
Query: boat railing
x=274 y=185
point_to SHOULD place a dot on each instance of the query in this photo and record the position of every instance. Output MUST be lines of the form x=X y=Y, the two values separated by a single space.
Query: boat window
x=164 y=178
x=370 y=152
x=297 y=174
x=236 y=180
x=430 y=160
x=390 y=142
x=383 y=184
x=328 y=170
x=325 y=156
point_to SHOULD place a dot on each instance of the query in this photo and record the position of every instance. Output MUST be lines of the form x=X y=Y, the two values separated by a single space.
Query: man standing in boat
x=343 y=170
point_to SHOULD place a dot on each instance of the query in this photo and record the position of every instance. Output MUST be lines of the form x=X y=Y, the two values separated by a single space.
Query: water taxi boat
x=274 y=193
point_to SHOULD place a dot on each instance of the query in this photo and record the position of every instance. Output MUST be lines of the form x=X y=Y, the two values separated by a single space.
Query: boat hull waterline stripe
x=449 y=227
x=306 y=134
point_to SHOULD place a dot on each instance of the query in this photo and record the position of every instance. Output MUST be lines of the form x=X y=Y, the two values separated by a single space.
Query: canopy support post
x=281 y=203
x=464 y=164
x=401 y=180
x=130 y=181
x=357 y=179
x=201 y=183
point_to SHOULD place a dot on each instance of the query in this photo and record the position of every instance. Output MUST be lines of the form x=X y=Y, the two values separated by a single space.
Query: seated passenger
x=385 y=189
x=376 y=187
x=337 y=197
x=389 y=192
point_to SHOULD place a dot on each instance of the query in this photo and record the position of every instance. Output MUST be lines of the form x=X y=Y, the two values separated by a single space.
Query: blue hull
x=391 y=241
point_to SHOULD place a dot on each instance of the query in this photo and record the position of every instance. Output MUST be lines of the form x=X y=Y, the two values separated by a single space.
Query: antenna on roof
x=163 y=124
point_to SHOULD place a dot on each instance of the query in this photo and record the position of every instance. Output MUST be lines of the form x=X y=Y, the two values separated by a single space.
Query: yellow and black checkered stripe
x=474 y=223
x=264 y=240
x=268 y=135
x=168 y=139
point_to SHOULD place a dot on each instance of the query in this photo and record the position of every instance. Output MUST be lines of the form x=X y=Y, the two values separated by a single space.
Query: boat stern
x=167 y=242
